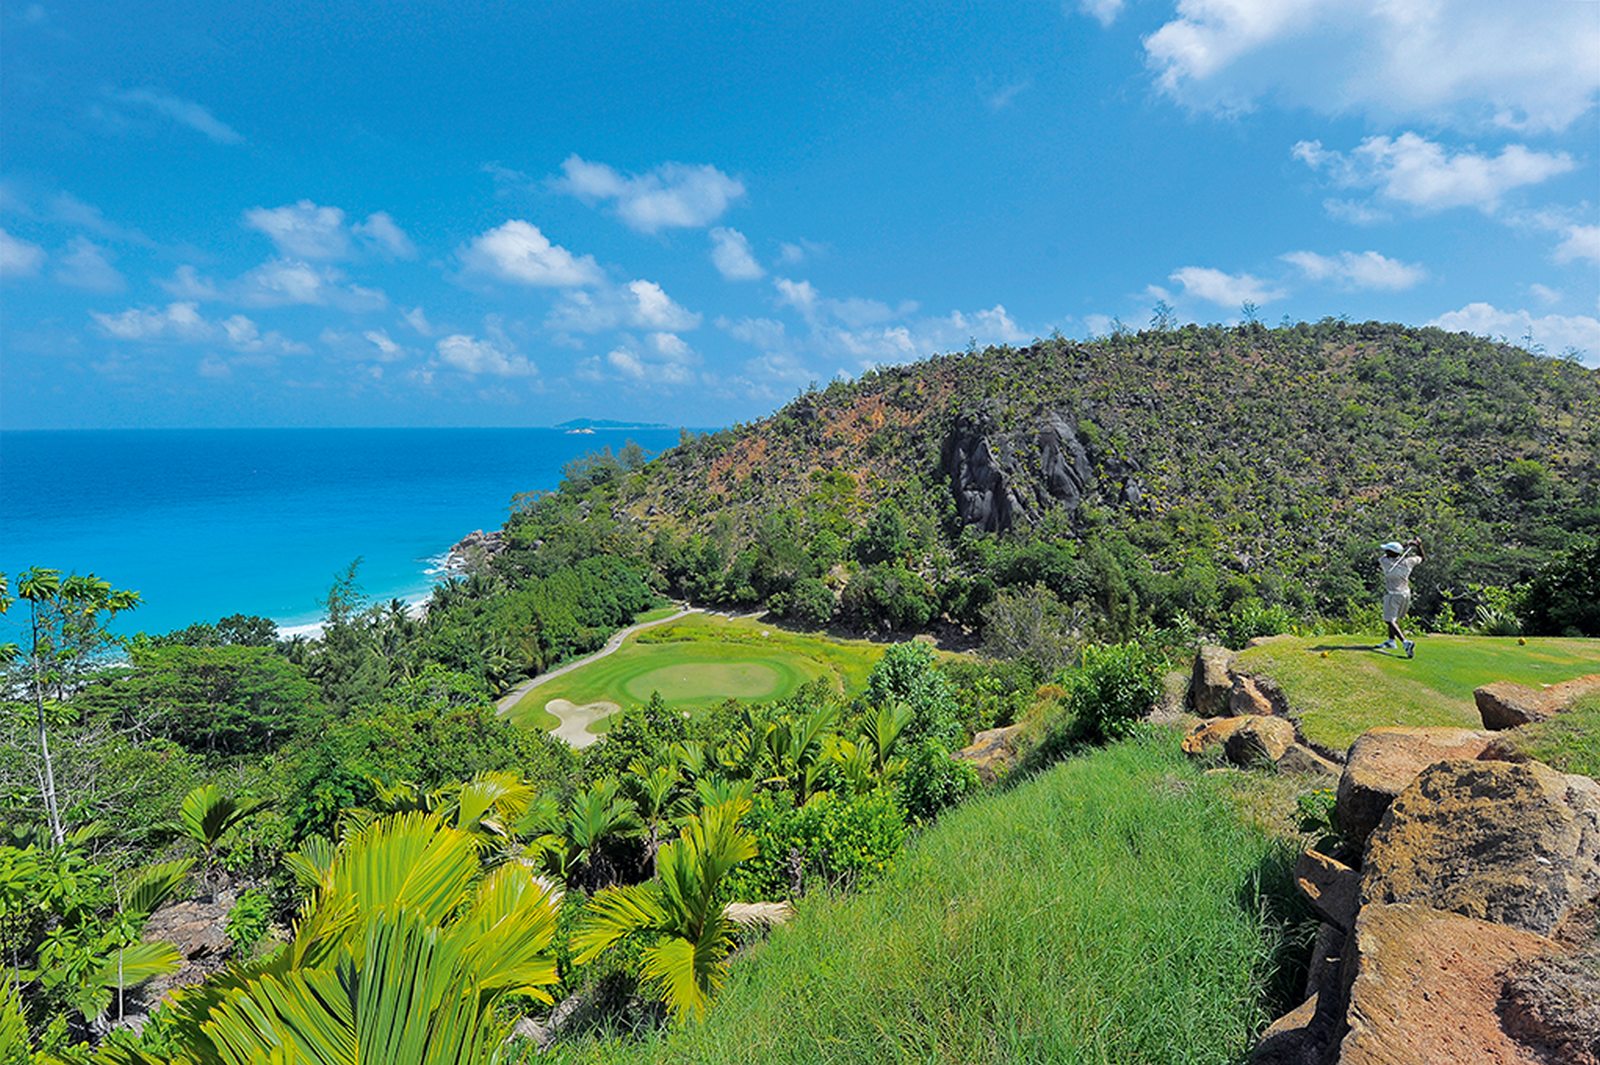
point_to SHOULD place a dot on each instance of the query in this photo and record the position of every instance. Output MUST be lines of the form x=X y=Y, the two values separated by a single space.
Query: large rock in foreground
x=1514 y=844
x=1383 y=762
x=1427 y=987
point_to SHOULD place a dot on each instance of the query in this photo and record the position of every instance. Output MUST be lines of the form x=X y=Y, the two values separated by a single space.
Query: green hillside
x=1145 y=477
x=1339 y=686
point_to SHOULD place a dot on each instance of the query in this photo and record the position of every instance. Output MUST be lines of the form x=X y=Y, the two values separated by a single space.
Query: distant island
x=578 y=425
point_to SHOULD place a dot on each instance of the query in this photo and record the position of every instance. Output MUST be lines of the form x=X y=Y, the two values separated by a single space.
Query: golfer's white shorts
x=1395 y=604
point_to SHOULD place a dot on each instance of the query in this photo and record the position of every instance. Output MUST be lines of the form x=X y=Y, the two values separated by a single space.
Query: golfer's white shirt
x=1397 y=574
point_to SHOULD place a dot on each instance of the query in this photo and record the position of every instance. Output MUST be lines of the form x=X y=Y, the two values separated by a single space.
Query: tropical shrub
x=1563 y=599
x=248 y=920
x=1113 y=688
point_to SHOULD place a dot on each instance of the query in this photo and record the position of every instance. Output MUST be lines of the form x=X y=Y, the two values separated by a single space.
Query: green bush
x=1563 y=599
x=932 y=781
x=809 y=602
x=1114 y=686
x=248 y=920
x=1251 y=618
x=834 y=841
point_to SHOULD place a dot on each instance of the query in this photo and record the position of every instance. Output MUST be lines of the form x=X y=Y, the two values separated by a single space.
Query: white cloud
x=302 y=230
x=1224 y=289
x=516 y=251
x=998 y=98
x=388 y=350
x=1104 y=11
x=1464 y=62
x=1412 y=170
x=668 y=368
x=18 y=257
x=65 y=207
x=287 y=282
x=187 y=283
x=671 y=196
x=795 y=252
x=418 y=321
x=85 y=265
x=1544 y=294
x=757 y=332
x=381 y=233
x=181 y=322
x=475 y=357
x=1358 y=270
x=1580 y=242
x=184 y=112
x=1555 y=333
x=639 y=304
x=731 y=255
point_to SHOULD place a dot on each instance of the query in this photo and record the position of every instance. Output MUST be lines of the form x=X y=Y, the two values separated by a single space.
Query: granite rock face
x=1383 y=762
x=1514 y=844
x=1212 y=681
x=1000 y=479
x=1425 y=989
x=992 y=752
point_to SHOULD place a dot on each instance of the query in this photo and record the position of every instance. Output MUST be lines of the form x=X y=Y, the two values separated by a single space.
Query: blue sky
x=513 y=214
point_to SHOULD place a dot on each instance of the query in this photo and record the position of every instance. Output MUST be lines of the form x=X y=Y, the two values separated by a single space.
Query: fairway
x=1340 y=687
x=698 y=661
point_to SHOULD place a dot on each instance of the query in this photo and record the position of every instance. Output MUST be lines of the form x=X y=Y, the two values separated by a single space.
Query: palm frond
x=154 y=885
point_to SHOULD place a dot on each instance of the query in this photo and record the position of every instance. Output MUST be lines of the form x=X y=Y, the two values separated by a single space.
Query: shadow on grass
x=1344 y=647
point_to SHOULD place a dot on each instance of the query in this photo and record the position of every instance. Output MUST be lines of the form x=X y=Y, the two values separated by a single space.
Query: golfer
x=1396 y=564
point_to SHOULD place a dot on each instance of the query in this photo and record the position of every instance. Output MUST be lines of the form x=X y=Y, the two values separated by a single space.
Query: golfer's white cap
x=1394 y=546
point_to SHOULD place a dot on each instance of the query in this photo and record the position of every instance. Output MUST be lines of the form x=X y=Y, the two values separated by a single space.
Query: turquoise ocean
x=205 y=523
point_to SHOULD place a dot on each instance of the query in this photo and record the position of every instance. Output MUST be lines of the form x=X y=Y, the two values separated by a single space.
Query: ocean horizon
x=209 y=522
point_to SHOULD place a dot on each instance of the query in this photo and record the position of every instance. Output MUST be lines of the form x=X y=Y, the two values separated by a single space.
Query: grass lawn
x=1112 y=909
x=701 y=660
x=1354 y=688
x=1569 y=742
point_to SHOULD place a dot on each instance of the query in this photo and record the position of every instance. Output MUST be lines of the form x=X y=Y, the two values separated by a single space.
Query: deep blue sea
x=205 y=523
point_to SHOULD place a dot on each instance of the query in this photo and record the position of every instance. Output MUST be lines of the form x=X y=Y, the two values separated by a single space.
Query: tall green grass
x=1113 y=909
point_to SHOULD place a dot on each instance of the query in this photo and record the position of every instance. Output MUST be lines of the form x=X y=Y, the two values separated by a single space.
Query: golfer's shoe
x=1386 y=645
x=1411 y=648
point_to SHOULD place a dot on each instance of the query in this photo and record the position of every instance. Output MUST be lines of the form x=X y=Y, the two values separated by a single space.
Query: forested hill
x=1136 y=476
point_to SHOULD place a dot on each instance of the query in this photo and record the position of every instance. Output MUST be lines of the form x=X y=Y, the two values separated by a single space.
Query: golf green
x=699 y=661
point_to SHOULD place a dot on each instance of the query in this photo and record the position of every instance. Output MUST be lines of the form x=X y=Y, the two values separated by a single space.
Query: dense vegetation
x=1223 y=470
x=1082 y=512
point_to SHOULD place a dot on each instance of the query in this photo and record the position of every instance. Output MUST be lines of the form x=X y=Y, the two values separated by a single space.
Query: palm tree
x=574 y=841
x=655 y=795
x=206 y=815
x=404 y=953
x=688 y=932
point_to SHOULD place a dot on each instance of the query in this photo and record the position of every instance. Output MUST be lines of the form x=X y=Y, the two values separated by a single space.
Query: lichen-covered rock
x=1245 y=740
x=1212 y=681
x=1426 y=989
x=1383 y=762
x=1259 y=739
x=992 y=752
x=1332 y=887
x=1504 y=705
x=199 y=929
x=1514 y=844
x=1553 y=1003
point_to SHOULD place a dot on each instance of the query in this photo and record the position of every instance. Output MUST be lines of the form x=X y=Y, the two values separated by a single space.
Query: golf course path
x=574 y=727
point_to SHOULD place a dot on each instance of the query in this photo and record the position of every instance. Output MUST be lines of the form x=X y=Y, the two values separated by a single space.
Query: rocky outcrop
x=1515 y=844
x=1000 y=479
x=1504 y=705
x=1255 y=695
x=1426 y=986
x=993 y=752
x=1302 y=759
x=1211 y=682
x=474 y=549
x=198 y=928
x=1383 y=762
